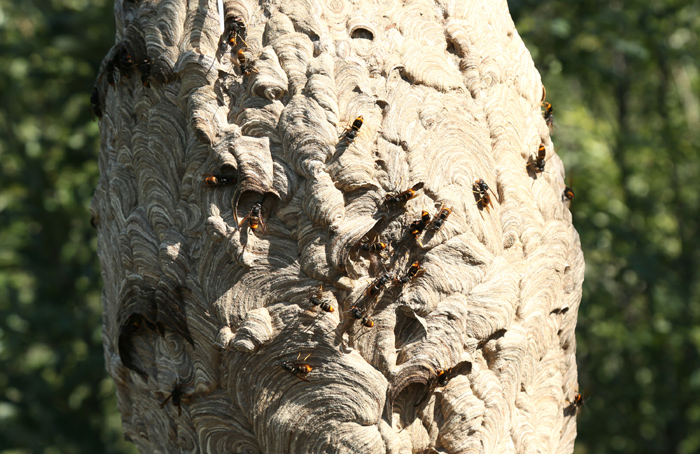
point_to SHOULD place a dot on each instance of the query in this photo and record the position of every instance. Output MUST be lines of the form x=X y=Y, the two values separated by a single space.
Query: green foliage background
x=625 y=83
x=55 y=396
x=623 y=79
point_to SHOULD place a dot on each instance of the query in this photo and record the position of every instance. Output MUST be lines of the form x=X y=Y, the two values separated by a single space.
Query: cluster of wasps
x=121 y=65
x=374 y=290
x=124 y=63
x=254 y=218
x=484 y=198
x=482 y=192
x=235 y=33
x=360 y=310
x=537 y=164
x=300 y=367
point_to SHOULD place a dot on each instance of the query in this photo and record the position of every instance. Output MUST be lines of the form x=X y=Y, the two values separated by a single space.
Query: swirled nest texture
x=239 y=197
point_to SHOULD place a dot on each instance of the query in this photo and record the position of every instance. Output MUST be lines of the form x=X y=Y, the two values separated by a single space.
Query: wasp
x=95 y=102
x=145 y=69
x=359 y=314
x=373 y=247
x=401 y=198
x=411 y=274
x=443 y=376
x=124 y=62
x=481 y=186
x=109 y=70
x=376 y=287
x=441 y=218
x=548 y=115
x=298 y=368
x=538 y=163
x=568 y=193
x=481 y=189
x=176 y=397
x=237 y=29
x=316 y=300
x=246 y=68
x=121 y=61
x=254 y=218
x=213 y=180
x=417 y=227
x=134 y=325
x=353 y=130
x=574 y=405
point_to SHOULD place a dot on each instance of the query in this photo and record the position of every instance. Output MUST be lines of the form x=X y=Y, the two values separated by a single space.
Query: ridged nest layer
x=241 y=199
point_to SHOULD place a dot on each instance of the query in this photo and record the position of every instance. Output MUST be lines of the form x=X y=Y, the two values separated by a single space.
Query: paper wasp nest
x=241 y=198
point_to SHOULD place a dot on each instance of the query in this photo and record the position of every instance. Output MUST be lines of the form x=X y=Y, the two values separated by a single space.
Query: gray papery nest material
x=240 y=200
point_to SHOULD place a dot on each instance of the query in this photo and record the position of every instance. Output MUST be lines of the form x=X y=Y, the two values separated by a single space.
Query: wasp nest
x=329 y=227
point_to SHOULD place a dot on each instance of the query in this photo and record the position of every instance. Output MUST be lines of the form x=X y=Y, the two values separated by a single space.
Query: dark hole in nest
x=362 y=33
x=406 y=402
x=228 y=169
x=451 y=48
